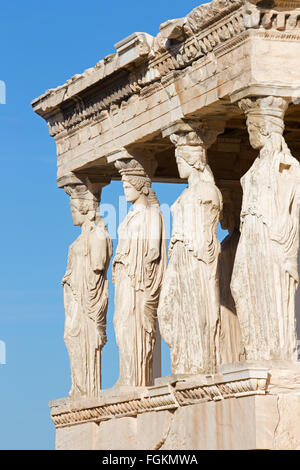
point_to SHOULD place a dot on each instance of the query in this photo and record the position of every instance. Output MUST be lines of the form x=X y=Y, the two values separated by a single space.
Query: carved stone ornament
x=189 y=304
x=86 y=291
x=265 y=274
x=193 y=390
x=138 y=270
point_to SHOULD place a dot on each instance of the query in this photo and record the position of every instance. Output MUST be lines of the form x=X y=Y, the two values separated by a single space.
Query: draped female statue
x=86 y=291
x=265 y=274
x=138 y=269
x=189 y=304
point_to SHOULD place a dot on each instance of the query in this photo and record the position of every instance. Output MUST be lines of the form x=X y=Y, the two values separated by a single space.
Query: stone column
x=231 y=346
x=189 y=306
x=138 y=270
x=265 y=274
x=86 y=289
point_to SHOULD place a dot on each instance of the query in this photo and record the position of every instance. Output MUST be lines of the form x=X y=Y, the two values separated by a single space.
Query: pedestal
x=243 y=406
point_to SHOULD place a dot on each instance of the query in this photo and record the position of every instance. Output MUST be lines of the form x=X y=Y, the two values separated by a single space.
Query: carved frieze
x=171 y=396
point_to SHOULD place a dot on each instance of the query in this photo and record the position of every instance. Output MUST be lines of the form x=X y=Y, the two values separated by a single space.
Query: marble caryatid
x=86 y=291
x=231 y=345
x=265 y=274
x=227 y=310
x=138 y=270
x=189 y=305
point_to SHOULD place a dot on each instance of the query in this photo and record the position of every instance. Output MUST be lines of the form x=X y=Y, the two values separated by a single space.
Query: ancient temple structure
x=212 y=101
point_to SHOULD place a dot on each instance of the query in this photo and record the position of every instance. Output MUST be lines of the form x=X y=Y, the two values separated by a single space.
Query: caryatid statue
x=138 y=270
x=265 y=274
x=189 y=306
x=86 y=291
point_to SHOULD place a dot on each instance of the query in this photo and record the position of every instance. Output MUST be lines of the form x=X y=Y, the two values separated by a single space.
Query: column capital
x=140 y=161
x=84 y=190
x=202 y=132
x=73 y=179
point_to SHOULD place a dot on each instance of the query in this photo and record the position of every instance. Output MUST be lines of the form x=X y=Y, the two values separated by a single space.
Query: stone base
x=243 y=407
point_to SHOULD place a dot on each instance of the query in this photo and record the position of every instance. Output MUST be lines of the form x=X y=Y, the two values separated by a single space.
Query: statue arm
x=155 y=233
x=66 y=278
x=100 y=251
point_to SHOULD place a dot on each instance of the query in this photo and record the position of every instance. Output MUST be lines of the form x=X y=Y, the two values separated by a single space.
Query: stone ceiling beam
x=199 y=65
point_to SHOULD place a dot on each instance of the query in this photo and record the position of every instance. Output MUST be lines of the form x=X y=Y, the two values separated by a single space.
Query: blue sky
x=43 y=45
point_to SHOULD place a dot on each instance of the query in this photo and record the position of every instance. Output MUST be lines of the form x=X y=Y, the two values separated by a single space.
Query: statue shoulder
x=208 y=192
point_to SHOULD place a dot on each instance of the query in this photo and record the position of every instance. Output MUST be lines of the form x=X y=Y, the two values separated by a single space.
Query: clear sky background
x=44 y=43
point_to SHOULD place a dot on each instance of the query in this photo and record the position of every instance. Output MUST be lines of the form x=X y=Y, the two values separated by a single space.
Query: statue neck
x=87 y=226
x=141 y=202
x=194 y=178
x=197 y=176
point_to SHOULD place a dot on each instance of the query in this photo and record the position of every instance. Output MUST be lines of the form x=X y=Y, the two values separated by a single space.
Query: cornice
x=214 y=28
x=170 y=396
x=198 y=19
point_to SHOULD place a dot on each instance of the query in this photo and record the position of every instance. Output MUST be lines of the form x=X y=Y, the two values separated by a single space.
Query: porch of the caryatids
x=86 y=289
x=265 y=274
x=189 y=306
x=138 y=270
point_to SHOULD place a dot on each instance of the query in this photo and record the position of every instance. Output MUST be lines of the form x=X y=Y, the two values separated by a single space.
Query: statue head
x=84 y=201
x=136 y=182
x=134 y=187
x=189 y=158
x=191 y=155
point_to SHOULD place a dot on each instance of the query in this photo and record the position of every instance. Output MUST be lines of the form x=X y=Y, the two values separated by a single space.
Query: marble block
x=244 y=407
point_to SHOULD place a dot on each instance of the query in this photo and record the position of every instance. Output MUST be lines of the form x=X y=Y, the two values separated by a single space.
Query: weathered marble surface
x=198 y=68
x=230 y=338
x=248 y=407
x=189 y=306
x=86 y=291
x=220 y=53
x=265 y=273
x=138 y=270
